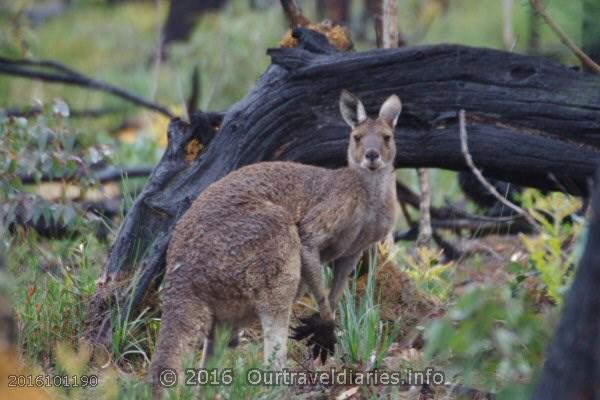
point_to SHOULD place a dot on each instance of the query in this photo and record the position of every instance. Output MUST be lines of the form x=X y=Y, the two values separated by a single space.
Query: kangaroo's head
x=372 y=147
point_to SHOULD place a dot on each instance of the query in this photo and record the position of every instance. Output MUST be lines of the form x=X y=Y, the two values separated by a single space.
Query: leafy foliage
x=549 y=257
x=495 y=336
x=429 y=274
x=44 y=146
x=489 y=337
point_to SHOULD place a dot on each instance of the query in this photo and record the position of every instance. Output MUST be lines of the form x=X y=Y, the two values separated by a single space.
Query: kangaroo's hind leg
x=275 y=313
x=274 y=302
x=185 y=319
x=275 y=334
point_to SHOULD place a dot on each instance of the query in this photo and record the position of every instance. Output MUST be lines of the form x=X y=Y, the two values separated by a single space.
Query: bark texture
x=571 y=370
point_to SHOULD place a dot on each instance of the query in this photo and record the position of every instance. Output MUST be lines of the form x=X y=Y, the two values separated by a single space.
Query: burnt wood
x=531 y=121
x=571 y=369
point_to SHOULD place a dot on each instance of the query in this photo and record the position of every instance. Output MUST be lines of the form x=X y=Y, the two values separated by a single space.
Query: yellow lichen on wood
x=192 y=149
x=337 y=36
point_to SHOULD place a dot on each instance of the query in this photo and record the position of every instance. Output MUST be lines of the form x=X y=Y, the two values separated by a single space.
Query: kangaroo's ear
x=390 y=110
x=352 y=109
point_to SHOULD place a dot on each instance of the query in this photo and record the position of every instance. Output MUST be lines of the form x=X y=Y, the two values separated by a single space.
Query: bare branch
x=425 y=230
x=566 y=40
x=469 y=160
x=294 y=14
x=508 y=34
x=51 y=71
x=386 y=24
x=406 y=195
x=111 y=174
x=192 y=101
x=73 y=113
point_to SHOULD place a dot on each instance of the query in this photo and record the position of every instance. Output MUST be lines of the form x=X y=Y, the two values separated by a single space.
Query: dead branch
x=425 y=229
x=52 y=71
x=111 y=174
x=406 y=195
x=294 y=14
x=469 y=160
x=33 y=111
x=195 y=91
x=473 y=226
x=564 y=38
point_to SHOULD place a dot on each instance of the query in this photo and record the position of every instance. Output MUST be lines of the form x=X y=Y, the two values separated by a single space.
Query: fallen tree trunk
x=533 y=122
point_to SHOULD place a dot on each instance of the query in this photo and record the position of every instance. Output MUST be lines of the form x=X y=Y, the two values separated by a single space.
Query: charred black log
x=571 y=370
x=533 y=122
x=459 y=221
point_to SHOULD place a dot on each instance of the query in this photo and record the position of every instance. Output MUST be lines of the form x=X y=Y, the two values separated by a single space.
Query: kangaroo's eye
x=356 y=139
x=386 y=138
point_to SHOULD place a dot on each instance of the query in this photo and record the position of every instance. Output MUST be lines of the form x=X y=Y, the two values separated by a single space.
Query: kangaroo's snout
x=372 y=155
x=372 y=160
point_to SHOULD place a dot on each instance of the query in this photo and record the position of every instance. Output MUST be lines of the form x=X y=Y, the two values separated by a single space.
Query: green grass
x=364 y=337
x=51 y=283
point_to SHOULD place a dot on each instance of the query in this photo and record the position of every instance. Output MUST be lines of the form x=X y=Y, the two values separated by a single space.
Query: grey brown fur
x=251 y=240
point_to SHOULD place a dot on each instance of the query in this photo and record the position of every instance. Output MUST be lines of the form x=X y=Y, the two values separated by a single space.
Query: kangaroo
x=251 y=241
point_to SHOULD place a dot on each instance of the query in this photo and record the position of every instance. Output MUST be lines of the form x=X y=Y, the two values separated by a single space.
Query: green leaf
x=69 y=215
x=437 y=337
x=37 y=214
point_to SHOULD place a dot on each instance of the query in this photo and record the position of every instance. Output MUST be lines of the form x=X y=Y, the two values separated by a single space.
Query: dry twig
x=469 y=160
x=566 y=40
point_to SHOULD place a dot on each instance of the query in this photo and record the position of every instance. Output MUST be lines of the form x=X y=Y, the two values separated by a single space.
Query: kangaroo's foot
x=321 y=334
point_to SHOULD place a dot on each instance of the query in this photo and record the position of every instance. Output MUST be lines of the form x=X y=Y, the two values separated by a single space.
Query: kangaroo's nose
x=372 y=155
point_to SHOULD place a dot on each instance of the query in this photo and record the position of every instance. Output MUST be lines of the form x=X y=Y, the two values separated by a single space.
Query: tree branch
x=51 y=71
x=294 y=14
x=469 y=160
x=111 y=174
x=566 y=40
x=73 y=113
